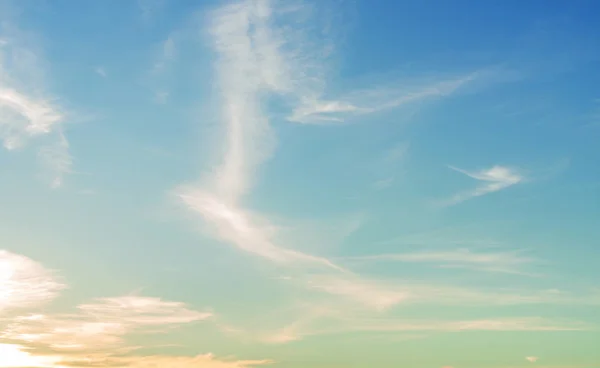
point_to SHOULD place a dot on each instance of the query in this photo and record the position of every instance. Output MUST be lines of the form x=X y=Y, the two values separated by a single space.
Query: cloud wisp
x=100 y=325
x=345 y=323
x=374 y=100
x=493 y=180
x=26 y=113
x=510 y=262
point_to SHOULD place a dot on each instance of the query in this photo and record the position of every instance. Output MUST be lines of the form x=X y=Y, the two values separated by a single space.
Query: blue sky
x=235 y=184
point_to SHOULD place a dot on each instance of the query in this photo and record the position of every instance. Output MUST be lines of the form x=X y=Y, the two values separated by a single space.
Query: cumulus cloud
x=494 y=179
x=531 y=359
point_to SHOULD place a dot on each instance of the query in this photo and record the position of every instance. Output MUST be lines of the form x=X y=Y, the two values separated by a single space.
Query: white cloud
x=382 y=295
x=376 y=99
x=353 y=322
x=510 y=262
x=100 y=325
x=531 y=359
x=245 y=230
x=376 y=295
x=257 y=60
x=22 y=117
x=25 y=283
x=56 y=160
x=495 y=178
x=27 y=114
x=16 y=356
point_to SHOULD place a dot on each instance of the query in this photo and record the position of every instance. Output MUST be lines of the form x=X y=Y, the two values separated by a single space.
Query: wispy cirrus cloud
x=374 y=100
x=383 y=294
x=27 y=113
x=494 y=179
x=250 y=66
x=344 y=323
x=255 y=63
x=510 y=262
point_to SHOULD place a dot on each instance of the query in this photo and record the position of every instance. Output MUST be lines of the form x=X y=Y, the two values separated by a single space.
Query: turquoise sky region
x=292 y=184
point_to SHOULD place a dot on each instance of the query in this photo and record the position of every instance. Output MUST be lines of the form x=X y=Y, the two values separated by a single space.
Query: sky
x=299 y=184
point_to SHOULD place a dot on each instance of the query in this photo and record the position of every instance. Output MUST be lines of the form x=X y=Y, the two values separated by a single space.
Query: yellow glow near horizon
x=13 y=356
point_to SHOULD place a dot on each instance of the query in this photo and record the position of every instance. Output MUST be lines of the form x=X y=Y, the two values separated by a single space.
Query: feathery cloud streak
x=378 y=99
x=510 y=262
x=25 y=112
x=495 y=179
x=100 y=325
x=339 y=324
x=250 y=67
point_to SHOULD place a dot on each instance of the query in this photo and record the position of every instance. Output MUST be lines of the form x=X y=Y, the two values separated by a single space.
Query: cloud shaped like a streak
x=199 y=361
x=494 y=179
x=26 y=114
x=377 y=99
x=359 y=323
x=25 y=283
x=237 y=226
x=101 y=324
x=17 y=356
x=510 y=262
x=250 y=66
